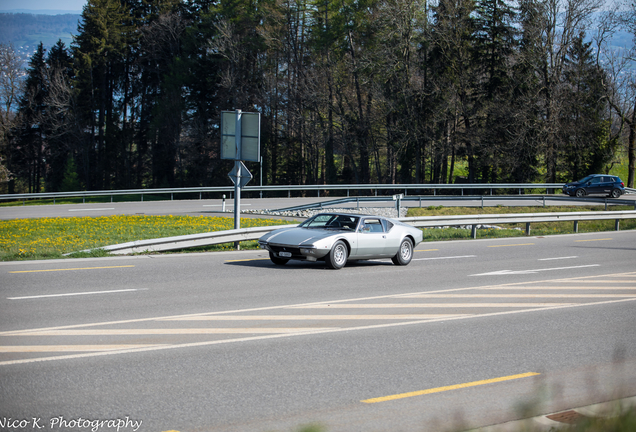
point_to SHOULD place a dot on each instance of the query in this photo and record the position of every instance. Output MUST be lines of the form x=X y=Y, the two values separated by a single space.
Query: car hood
x=296 y=236
x=575 y=183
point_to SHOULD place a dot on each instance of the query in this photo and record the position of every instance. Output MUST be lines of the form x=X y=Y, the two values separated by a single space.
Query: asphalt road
x=471 y=333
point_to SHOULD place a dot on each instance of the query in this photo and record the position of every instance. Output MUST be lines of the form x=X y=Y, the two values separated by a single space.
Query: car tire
x=276 y=260
x=405 y=253
x=580 y=193
x=337 y=256
x=616 y=193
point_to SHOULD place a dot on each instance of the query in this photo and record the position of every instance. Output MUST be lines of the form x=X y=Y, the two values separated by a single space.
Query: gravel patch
x=377 y=211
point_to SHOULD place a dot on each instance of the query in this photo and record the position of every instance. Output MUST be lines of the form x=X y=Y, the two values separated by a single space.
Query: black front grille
x=294 y=250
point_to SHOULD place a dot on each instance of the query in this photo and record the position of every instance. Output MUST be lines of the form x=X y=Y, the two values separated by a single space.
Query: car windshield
x=331 y=221
x=586 y=179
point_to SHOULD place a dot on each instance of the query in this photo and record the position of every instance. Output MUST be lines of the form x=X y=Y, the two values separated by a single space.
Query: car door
x=371 y=238
x=607 y=183
x=594 y=186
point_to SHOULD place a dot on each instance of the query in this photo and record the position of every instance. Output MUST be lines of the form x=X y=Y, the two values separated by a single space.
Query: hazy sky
x=42 y=4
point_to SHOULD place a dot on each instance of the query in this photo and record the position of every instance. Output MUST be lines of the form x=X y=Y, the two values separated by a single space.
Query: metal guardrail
x=192 y=240
x=544 y=199
x=287 y=188
x=220 y=237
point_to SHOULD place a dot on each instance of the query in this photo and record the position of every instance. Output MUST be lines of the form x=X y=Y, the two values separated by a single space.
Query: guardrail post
x=605 y=204
x=142 y=197
x=527 y=228
x=576 y=226
x=482 y=200
x=473 y=231
x=544 y=201
x=617 y=224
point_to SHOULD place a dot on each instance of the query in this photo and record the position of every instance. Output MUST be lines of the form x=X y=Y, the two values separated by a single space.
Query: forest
x=349 y=91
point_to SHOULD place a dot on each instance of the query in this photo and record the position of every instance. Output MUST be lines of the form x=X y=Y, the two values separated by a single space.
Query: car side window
x=387 y=225
x=371 y=226
x=595 y=180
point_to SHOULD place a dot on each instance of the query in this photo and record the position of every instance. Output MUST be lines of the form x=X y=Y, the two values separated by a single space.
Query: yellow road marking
x=582 y=288
x=592 y=240
x=607 y=281
x=520 y=295
x=69 y=348
x=252 y=259
x=447 y=388
x=426 y=305
x=71 y=269
x=154 y=331
x=508 y=245
x=310 y=317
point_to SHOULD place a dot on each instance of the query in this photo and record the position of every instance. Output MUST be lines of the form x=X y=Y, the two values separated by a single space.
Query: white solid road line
x=557 y=258
x=75 y=294
x=91 y=209
x=513 y=272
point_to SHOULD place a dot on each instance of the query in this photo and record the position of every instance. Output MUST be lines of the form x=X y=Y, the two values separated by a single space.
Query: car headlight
x=262 y=245
x=308 y=250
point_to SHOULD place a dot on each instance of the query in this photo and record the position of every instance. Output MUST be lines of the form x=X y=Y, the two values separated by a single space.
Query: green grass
x=48 y=238
x=517 y=230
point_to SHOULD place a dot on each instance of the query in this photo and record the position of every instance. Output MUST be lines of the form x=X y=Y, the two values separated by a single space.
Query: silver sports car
x=337 y=238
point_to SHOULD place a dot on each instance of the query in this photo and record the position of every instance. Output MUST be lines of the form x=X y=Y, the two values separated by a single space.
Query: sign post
x=240 y=141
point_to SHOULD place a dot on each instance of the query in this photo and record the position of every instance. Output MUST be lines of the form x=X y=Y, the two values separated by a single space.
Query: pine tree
x=28 y=153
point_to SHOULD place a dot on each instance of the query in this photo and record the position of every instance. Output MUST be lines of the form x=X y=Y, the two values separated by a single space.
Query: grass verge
x=516 y=230
x=47 y=238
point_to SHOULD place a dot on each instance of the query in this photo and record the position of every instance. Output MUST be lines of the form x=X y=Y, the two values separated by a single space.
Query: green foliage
x=351 y=91
x=70 y=182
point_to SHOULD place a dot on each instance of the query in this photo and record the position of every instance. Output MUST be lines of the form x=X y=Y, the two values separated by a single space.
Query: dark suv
x=596 y=184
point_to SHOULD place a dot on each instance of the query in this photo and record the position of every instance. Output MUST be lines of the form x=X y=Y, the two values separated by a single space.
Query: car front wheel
x=616 y=193
x=580 y=193
x=337 y=257
x=405 y=253
x=276 y=260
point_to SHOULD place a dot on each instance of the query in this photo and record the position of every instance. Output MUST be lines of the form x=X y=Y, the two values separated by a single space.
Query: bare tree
x=11 y=78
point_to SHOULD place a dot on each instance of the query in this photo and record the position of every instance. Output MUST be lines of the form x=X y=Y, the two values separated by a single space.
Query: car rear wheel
x=405 y=253
x=276 y=260
x=616 y=193
x=580 y=193
x=337 y=257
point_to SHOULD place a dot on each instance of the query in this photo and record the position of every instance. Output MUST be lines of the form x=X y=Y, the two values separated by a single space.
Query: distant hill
x=26 y=31
x=41 y=11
